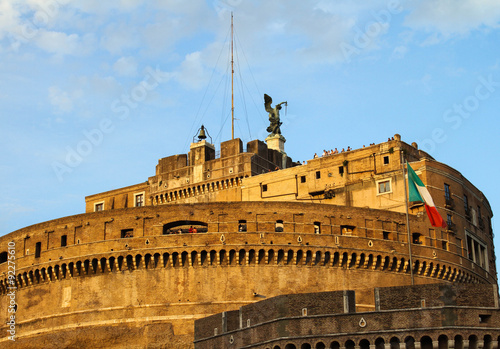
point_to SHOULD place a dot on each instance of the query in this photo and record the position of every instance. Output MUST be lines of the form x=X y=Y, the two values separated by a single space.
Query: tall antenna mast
x=232 y=80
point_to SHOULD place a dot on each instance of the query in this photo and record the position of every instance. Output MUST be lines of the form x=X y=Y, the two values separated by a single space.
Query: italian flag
x=418 y=192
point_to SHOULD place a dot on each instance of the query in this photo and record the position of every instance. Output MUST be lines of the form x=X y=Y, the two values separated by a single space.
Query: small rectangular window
x=448 y=220
x=346 y=229
x=317 y=227
x=302 y=179
x=264 y=187
x=386 y=160
x=447 y=194
x=318 y=174
x=139 y=200
x=384 y=187
x=38 y=249
x=242 y=225
x=444 y=245
x=64 y=240
x=387 y=235
x=127 y=233
x=341 y=170
x=99 y=207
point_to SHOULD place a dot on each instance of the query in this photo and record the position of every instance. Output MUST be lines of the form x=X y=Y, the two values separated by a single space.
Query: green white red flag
x=418 y=192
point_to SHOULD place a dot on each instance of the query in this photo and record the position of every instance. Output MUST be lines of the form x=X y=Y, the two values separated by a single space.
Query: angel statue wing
x=267 y=103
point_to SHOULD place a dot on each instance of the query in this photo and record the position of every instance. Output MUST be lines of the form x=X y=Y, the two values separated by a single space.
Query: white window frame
x=143 y=198
x=98 y=203
x=483 y=256
x=381 y=181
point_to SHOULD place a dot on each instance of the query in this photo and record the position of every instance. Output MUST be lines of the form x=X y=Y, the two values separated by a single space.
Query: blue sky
x=93 y=93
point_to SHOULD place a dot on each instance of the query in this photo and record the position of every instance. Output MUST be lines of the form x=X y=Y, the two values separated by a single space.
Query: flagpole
x=407 y=220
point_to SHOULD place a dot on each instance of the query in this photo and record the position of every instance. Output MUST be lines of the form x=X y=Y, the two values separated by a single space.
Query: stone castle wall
x=104 y=285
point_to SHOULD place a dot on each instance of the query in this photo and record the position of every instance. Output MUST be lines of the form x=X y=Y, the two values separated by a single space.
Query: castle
x=261 y=252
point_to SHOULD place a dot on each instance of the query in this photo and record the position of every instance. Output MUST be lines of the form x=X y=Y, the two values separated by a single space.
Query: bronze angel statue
x=274 y=115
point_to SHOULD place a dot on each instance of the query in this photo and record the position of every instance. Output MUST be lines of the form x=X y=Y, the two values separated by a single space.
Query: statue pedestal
x=277 y=142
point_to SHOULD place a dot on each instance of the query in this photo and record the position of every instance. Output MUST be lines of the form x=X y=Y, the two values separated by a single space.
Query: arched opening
x=426 y=342
x=379 y=343
x=473 y=342
x=289 y=257
x=103 y=265
x=394 y=343
x=410 y=342
x=270 y=256
x=183 y=226
x=222 y=256
x=299 y=256
x=194 y=258
x=308 y=257
x=232 y=256
x=138 y=261
x=349 y=344
x=130 y=262
x=320 y=345
x=203 y=257
x=213 y=256
x=262 y=254
x=251 y=256
x=305 y=346
x=327 y=258
x=335 y=345
x=175 y=259
x=488 y=342
x=184 y=259
x=364 y=344
x=241 y=257
x=281 y=256
x=111 y=264
x=290 y=346
x=443 y=342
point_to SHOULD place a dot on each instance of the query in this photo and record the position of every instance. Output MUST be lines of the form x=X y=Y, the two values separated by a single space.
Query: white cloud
x=60 y=100
x=126 y=66
x=399 y=52
x=444 y=18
